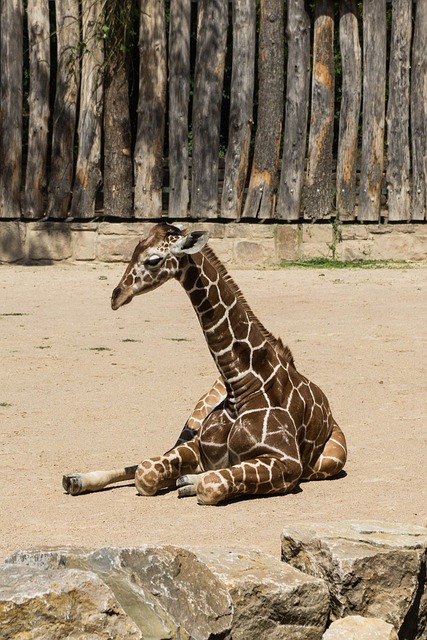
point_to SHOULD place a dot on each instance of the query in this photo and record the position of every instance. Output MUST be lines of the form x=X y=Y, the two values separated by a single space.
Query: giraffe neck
x=243 y=350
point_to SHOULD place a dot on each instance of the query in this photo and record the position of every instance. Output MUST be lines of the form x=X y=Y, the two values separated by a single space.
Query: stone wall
x=335 y=581
x=242 y=245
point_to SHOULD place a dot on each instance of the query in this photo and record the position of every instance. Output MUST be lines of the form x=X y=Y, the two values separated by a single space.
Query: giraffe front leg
x=161 y=472
x=77 y=483
x=260 y=476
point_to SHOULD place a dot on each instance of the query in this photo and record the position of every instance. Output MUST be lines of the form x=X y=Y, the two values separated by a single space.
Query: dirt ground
x=83 y=388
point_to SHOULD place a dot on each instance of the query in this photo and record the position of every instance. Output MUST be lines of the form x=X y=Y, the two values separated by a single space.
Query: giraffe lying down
x=263 y=427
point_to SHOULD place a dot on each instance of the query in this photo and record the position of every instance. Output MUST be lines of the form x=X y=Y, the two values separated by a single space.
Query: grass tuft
x=330 y=263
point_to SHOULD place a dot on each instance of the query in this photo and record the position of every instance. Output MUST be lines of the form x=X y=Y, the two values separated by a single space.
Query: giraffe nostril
x=115 y=293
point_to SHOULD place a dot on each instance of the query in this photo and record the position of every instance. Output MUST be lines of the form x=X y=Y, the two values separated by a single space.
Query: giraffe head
x=155 y=260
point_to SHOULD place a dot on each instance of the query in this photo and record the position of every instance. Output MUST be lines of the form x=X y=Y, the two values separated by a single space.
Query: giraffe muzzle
x=120 y=297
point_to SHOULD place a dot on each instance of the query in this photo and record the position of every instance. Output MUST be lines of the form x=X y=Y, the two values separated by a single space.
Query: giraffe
x=267 y=428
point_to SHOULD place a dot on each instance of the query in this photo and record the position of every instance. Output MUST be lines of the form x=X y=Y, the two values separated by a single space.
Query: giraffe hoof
x=186 y=486
x=72 y=483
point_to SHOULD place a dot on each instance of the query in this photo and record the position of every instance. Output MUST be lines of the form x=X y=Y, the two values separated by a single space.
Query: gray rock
x=358 y=628
x=271 y=600
x=374 y=569
x=202 y=593
x=55 y=604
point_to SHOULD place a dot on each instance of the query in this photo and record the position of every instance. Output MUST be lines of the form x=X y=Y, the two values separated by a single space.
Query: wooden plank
x=38 y=105
x=11 y=54
x=260 y=201
x=88 y=167
x=296 y=112
x=241 y=108
x=118 y=174
x=351 y=59
x=179 y=95
x=398 y=155
x=374 y=81
x=148 y=165
x=419 y=113
x=318 y=188
x=65 y=108
x=208 y=83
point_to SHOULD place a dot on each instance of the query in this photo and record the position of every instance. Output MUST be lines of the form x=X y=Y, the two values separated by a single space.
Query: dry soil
x=83 y=388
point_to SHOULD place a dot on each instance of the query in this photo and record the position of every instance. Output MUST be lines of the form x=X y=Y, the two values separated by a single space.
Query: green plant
x=331 y=263
x=14 y=314
x=336 y=238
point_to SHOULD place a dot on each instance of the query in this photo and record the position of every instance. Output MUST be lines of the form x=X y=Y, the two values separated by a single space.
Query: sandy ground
x=83 y=388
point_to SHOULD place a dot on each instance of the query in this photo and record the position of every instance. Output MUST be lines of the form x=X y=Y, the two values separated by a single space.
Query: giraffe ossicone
x=263 y=427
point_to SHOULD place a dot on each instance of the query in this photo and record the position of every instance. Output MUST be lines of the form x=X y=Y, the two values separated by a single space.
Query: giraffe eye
x=153 y=261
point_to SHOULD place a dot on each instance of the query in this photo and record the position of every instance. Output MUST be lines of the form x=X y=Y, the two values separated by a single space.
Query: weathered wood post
x=208 y=83
x=11 y=54
x=419 y=113
x=318 y=190
x=350 y=110
x=88 y=176
x=38 y=103
x=398 y=156
x=260 y=201
x=296 y=112
x=65 y=108
x=374 y=81
x=148 y=157
x=179 y=96
x=118 y=174
x=241 y=108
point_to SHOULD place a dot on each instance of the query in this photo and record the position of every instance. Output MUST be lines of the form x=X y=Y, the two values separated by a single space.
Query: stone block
x=316 y=241
x=261 y=231
x=48 y=241
x=288 y=242
x=373 y=569
x=12 y=237
x=358 y=628
x=356 y=249
x=269 y=601
x=84 y=244
x=84 y=226
x=238 y=230
x=354 y=232
x=135 y=229
x=249 y=254
x=390 y=246
x=202 y=593
x=224 y=249
x=418 y=251
x=54 y=604
x=215 y=229
x=115 y=248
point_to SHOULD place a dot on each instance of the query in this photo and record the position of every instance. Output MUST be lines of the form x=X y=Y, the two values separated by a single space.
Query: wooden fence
x=214 y=109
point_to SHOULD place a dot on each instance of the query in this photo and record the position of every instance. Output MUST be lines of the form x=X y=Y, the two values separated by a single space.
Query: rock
x=373 y=569
x=202 y=593
x=270 y=600
x=55 y=604
x=358 y=628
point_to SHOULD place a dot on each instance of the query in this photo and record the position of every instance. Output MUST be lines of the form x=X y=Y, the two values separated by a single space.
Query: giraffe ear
x=191 y=243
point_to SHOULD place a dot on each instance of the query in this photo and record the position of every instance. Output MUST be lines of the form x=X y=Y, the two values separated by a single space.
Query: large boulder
x=201 y=593
x=373 y=569
x=55 y=604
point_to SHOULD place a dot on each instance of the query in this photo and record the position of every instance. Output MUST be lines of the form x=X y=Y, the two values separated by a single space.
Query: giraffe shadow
x=295 y=491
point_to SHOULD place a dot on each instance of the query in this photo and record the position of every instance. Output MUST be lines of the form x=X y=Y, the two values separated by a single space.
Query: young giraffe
x=272 y=429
